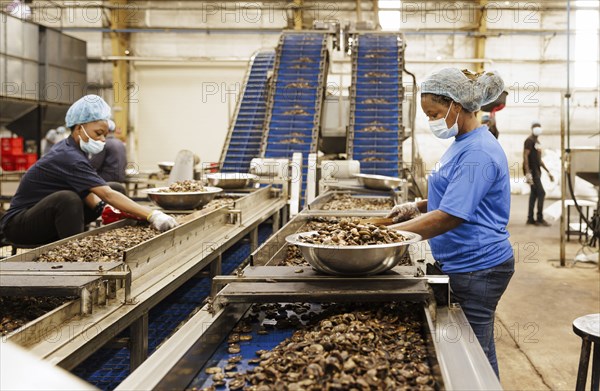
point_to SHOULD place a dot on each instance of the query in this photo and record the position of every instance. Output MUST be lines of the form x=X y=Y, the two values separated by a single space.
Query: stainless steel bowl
x=378 y=182
x=182 y=201
x=166 y=167
x=353 y=260
x=231 y=180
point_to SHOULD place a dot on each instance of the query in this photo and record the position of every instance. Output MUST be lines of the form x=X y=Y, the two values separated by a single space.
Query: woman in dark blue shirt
x=61 y=192
x=468 y=205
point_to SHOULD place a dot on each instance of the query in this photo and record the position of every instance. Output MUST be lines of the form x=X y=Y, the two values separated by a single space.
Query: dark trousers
x=478 y=293
x=59 y=215
x=537 y=194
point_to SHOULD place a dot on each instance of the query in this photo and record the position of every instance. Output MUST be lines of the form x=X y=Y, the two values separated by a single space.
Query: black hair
x=441 y=99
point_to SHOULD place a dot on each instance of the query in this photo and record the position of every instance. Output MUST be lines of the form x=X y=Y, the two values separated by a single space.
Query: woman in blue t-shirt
x=468 y=204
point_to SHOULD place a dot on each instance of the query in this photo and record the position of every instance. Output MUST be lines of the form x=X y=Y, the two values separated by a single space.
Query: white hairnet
x=90 y=108
x=52 y=136
x=471 y=93
x=61 y=130
x=111 y=125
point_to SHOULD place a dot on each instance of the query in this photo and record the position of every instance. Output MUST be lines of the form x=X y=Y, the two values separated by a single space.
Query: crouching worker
x=62 y=192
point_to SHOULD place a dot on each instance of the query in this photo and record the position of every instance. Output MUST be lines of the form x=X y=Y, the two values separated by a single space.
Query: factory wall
x=527 y=46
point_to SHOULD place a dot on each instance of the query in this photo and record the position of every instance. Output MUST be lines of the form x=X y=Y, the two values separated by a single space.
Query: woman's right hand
x=404 y=212
x=161 y=221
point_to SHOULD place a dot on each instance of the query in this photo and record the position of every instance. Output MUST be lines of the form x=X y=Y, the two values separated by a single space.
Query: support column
x=254 y=239
x=298 y=14
x=138 y=342
x=120 y=47
x=481 y=32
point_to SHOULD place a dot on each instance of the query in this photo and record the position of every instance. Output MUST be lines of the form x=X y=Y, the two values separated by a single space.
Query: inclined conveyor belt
x=376 y=131
x=294 y=110
x=245 y=134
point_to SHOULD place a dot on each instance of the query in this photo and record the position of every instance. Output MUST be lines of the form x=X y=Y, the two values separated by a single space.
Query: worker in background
x=62 y=132
x=468 y=205
x=490 y=122
x=532 y=168
x=111 y=162
x=52 y=137
x=61 y=192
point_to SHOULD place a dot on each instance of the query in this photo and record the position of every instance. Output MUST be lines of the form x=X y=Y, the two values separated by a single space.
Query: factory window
x=389 y=15
x=586 y=65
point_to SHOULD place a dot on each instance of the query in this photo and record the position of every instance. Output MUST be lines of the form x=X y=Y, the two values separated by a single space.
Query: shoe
x=543 y=223
x=531 y=222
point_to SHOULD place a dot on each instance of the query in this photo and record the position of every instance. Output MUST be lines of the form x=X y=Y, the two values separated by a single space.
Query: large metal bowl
x=353 y=260
x=378 y=182
x=231 y=180
x=182 y=201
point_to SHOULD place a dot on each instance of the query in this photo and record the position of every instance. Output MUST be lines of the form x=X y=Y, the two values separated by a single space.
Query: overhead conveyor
x=295 y=102
x=376 y=132
x=245 y=133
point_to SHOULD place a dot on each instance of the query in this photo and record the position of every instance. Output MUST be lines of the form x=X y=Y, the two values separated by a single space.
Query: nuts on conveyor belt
x=373 y=159
x=348 y=233
x=373 y=55
x=369 y=347
x=305 y=60
x=293 y=140
x=374 y=128
x=377 y=74
x=105 y=247
x=18 y=311
x=293 y=257
x=296 y=110
x=346 y=202
x=375 y=100
x=183 y=187
x=298 y=85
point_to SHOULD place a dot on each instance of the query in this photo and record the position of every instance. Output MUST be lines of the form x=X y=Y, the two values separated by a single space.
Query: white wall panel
x=183 y=107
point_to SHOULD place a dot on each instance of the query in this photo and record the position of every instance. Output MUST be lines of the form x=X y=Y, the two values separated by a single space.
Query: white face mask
x=439 y=128
x=91 y=146
x=537 y=130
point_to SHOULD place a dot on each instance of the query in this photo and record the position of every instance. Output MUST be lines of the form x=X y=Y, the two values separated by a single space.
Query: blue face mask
x=91 y=146
x=439 y=128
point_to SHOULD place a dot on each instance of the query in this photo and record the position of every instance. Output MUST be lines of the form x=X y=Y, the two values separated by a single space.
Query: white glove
x=403 y=212
x=161 y=222
x=529 y=179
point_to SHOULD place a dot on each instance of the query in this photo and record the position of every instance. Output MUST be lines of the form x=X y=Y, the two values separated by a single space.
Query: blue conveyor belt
x=108 y=367
x=295 y=105
x=247 y=349
x=376 y=131
x=246 y=133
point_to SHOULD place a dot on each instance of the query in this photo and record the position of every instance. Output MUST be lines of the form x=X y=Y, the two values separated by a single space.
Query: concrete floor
x=537 y=349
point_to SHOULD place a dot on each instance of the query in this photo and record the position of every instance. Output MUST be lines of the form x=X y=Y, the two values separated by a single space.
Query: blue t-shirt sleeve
x=82 y=177
x=471 y=180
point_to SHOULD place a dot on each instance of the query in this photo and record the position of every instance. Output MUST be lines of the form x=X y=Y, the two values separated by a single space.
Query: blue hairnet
x=90 y=108
x=471 y=93
x=111 y=125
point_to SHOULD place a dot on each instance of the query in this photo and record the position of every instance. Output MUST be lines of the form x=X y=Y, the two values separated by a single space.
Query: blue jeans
x=478 y=293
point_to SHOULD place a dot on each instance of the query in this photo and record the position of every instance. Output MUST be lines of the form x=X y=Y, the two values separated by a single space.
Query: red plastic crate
x=8 y=163
x=12 y=145
x=31 y=159
x=24 y=161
